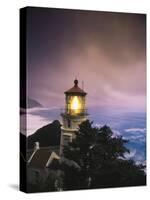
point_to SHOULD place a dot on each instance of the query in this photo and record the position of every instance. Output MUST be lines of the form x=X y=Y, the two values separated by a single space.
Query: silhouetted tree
x=100 y=157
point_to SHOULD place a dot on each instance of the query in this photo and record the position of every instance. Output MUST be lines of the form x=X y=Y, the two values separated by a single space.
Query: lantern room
x=75 y=100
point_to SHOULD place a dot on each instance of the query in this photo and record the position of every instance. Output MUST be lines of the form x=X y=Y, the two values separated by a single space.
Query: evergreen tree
x=100 y=157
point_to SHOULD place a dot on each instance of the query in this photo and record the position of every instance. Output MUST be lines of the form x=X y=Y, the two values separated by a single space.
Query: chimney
x=36 y=145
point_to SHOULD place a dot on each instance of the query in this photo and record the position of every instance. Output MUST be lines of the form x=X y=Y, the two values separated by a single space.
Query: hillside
x=48 y=135
x=29 y=103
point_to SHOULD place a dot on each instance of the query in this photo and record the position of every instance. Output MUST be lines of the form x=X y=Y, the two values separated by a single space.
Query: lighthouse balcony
x=72 y=112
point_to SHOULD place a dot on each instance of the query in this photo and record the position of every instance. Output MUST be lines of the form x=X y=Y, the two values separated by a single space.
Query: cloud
x=81 y=46
x=36 y=118
x=39 y=109
x=136 y=134
x=98 y=125
x=35 y=122
x=116 y=133
x=139 y=138
x=30 y=123
x=131 y=154
x=142 y=130
x=137 y=156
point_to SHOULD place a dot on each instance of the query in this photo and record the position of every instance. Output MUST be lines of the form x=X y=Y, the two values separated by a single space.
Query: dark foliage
x=71 y=177
x=100 y=156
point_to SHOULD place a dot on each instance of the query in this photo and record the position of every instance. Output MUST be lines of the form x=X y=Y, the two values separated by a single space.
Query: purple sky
x=105 y=50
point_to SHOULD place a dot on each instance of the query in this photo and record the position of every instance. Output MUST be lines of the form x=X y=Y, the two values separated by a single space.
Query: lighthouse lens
x=76 y=105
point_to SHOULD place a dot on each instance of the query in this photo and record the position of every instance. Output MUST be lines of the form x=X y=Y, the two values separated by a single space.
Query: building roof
x=76 y=89
x=43 y=157
x=29 y=154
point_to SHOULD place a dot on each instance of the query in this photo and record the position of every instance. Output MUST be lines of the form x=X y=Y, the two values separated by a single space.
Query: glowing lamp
x=76 y=105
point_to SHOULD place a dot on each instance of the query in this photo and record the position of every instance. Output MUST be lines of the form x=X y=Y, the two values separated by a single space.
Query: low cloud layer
x=142 y=130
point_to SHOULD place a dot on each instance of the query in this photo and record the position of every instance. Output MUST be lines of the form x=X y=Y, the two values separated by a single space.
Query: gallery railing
x=79 y=112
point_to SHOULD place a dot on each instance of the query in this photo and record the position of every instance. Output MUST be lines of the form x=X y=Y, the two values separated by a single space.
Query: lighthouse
x=73 y=114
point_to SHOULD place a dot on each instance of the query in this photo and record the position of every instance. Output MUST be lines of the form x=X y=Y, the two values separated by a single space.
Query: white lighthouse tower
x=74 y=113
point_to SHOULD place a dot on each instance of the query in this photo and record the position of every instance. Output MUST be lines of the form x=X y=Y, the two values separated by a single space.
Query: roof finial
x=75 y=82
